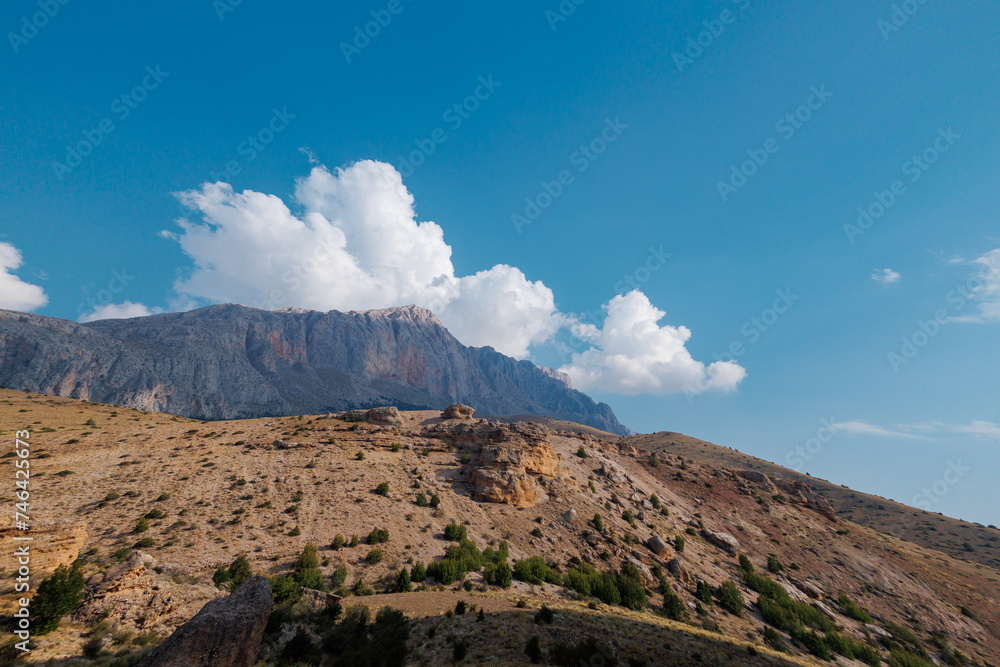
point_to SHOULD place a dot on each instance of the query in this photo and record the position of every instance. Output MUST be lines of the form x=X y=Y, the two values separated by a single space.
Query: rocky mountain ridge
x=230 y=362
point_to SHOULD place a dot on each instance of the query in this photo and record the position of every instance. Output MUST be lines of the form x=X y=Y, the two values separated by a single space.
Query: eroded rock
x=225 y=633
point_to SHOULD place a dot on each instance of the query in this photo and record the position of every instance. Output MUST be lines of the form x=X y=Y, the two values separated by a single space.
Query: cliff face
x=225 y=362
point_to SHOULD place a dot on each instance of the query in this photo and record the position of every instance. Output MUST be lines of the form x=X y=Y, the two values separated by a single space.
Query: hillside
x=269 y=487
x=959 y=539
x=231 y=362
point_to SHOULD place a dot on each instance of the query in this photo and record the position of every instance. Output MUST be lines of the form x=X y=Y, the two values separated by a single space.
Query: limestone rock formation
x=383 y=416
x=131 y=595
x=510 y=458
x=458 y=411
x=229 y=361
x=226 y=632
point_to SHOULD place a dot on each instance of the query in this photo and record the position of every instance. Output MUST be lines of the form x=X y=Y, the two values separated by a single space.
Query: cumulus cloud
x=885 y=276
x=983 y=288
x=15 y=294
x=118 y=311
x=632 y=354
x=349 y=239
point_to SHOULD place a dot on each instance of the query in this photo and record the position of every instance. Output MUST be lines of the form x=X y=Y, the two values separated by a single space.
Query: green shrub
x=378 y=536
x=655 y=501
x=544 y=616
x=498 y=574
x=59 y=594
x=338 y=542
x=403 y=584
x=903 y=658
x=374 y=557
x=360 y=456
x=418 y=573
x=581 y=452
x=338 y=577
x=534 y=570
x=421 y=499
x=533 y=650
x=458 y=560
x=382 y=489
x=455 y=532
x=851 y=610
x=679 y=544
x=774 y=565
x=285 y=589
x=141 y=526
x=730 y=598
x=435 y=501
x=598 y=524
x=354 y=541
x=811 y=642
x=673 y=606
x=629 y=519
x=703 y=592
x=774 y=640
x=588 y=651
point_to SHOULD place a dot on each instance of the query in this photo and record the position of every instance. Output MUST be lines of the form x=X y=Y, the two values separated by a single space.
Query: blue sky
x=619 y=113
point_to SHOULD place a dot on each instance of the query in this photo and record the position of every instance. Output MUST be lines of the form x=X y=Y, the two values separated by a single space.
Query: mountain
x=231 y=362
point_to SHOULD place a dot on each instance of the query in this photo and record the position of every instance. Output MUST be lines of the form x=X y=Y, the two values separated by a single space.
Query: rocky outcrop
x=801 y=493
x=760 y=479
x=132 y=595
x=724 y=541
x=225 y=633
x=230 y=362
x=458 y=411
x=510 y=458
x=382 y=416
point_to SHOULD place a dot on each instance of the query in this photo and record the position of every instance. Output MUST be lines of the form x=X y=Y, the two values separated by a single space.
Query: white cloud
x=633 y=354
x=350 y=239
x=928 y=430
x=864 y=428
x=118 y=311
x=15 y=294
x=983 y=287
x=885 y=276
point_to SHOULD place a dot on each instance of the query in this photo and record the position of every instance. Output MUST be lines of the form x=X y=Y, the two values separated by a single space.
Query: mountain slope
x=227 y=362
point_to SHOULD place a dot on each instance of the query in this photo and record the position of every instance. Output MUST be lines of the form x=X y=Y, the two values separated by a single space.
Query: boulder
x=724 y=541
x=225 y=633
x=570 y=516
x=676 y=568
x=658 y=546
x=457 y=411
